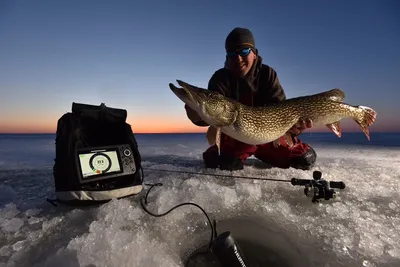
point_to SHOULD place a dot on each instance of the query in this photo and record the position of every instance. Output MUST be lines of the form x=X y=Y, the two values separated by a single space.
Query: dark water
x=45 y=142
x=381 y=139
x=33 y=151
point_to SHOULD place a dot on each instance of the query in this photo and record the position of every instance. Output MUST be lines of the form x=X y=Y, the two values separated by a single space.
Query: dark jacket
x=260 y=87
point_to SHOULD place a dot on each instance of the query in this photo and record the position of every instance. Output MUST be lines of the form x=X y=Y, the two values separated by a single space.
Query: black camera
x=227 y=251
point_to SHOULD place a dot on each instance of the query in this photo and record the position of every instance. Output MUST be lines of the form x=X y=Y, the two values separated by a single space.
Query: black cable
x=148 y=191
x=213 y=229
x=143 y=202
x=141 y=170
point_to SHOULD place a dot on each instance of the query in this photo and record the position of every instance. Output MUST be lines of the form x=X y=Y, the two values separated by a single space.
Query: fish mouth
x=211 y=106
x=180 y=93
x=189 y=94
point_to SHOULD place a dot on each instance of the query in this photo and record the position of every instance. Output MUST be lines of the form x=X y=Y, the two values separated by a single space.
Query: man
x=246 y=79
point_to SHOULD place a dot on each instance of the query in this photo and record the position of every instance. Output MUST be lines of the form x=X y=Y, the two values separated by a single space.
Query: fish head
x=212 y=107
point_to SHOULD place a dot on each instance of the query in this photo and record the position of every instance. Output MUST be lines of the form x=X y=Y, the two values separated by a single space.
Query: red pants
x=280 y=157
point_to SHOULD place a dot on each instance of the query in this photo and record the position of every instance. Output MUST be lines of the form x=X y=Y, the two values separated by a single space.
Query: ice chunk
x=12 y=225
x=32 y=212
x=9 y=211
x=50 y=224
x=5 y=251
x=18 y=245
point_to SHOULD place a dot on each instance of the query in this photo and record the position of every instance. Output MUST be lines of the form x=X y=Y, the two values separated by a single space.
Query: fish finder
x=104 y=162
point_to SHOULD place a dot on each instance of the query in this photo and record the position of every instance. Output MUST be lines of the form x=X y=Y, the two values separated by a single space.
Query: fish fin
x=334 y=95
x=335 y=127
x=218 y=140
x=211 y=135
x=277 y=142
x=285 y=139
x=365 y=119
x=288 y=139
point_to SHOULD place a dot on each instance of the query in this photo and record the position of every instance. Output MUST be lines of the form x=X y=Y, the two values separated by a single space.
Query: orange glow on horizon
x=164 y=126
x=156 y=125
x=143 y=125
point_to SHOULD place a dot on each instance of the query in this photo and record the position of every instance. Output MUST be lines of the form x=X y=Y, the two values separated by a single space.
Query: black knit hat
x=239 y=38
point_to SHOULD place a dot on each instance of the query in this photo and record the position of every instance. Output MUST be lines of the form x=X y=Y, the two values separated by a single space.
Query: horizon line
x=190 y=132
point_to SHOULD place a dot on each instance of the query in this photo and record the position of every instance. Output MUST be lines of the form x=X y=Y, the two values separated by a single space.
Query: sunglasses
x=242 y=53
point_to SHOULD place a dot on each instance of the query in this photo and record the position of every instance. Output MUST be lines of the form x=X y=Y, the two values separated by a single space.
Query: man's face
x=241 y=61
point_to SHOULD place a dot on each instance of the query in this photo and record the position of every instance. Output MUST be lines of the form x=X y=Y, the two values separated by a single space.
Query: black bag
x=89 y=126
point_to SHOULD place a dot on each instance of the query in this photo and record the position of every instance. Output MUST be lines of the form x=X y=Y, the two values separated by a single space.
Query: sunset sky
x=124 y=53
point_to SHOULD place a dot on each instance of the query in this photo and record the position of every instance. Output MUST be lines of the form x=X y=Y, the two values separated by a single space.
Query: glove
x=194 y=117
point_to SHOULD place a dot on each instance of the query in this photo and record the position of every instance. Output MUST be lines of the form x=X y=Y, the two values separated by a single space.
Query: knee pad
x=303 y=158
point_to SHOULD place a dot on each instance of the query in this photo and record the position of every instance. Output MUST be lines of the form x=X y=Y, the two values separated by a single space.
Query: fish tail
x=365 y=118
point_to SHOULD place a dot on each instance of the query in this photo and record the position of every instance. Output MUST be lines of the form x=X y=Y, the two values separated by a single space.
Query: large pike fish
x=271 y=123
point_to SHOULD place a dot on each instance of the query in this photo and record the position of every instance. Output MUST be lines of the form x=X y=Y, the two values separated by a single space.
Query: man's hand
x=192 y=115
x=301 y=126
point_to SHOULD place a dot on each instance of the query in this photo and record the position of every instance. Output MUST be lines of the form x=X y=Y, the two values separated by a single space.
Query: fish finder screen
x=96 y=163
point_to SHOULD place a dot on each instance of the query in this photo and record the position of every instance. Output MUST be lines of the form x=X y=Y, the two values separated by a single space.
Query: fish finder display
x=97 y=163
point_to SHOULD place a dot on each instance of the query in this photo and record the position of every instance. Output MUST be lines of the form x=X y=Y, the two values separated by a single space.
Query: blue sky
x=125 y=53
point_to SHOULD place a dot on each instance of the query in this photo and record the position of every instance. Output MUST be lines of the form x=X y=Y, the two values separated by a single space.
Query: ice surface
x=273 y=221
